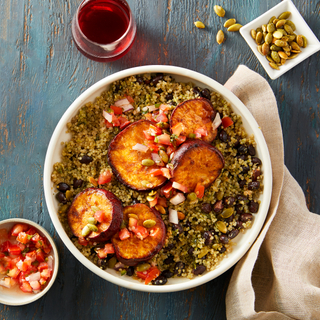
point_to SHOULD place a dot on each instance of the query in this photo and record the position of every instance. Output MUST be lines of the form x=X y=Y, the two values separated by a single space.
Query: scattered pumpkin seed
x=92 y=220
x=85 y=231
x=220 y=37
x=161 y=209
x=164 y=156
x=227 y=212
x=192 y=196
x=219 y=11
x=93 y=181
x=199 y=25
x=181 y=215
x=149 y=223
x=151 y=198
x=284 y=15
x=147 y=162
x=221 y=226
x=203 y=252
x=143 y=267
x=235 y=27
x=229 y=23
x=68 y=194
x=220 y=195
x=112 y=262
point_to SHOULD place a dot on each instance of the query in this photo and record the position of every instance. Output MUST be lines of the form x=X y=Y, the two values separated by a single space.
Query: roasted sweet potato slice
x=94 y=202
x=195 y=162
x=195 y=114
x=126 y=163
x=133 y=250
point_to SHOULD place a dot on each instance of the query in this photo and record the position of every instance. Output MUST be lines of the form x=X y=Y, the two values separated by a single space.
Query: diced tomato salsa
x=25 y=259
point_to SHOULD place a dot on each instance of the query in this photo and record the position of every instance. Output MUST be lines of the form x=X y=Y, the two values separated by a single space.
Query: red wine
x=103 y=21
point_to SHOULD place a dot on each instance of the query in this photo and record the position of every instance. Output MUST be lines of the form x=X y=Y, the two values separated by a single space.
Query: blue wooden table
x=42 y=73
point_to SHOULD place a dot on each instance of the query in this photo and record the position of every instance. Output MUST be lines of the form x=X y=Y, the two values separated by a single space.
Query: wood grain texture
x=42 y=73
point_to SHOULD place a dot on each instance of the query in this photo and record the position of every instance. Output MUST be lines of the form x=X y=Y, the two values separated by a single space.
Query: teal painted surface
x=42 y=73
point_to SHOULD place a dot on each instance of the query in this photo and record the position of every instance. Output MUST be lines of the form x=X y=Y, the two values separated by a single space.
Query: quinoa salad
x=149 y=126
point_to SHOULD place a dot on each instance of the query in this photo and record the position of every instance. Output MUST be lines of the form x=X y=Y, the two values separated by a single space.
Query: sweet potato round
x=195 y=162
x=81 y=209
x=131 y=251
x=195 y=114
x=126 y=164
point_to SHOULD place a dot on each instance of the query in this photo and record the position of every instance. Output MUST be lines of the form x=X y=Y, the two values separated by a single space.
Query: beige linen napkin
x=279 y=277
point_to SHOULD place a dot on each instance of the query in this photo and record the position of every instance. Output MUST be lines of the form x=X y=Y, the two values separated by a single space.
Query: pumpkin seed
x=203 y=252
x=220 y=37
x=112 y=262
x=181 y=215
x=93 y=181
x=295 y=46
x=299 y=40
x=291 y=24
x=296 y=51
x=288 y=29
x=284 y=32
x=284 y=15
x=305 y=42
x=219 y=11
x=268 y=38
x=293 y=56
x=143 y=267
x=147 y=162
x=282 y=55
x=275 y=56
x=269 y=59
x=277 y=34
x=274 y=65
x=258 y=30
x=161 y=209
x=85 y=231
x=283 y=61
x=92 y=220
x=221 y=226
x=149 y=223
x=68 y=194
x=92 y=227
x=271 y=27
x=291 y=37
x=164 y=156
x=280 y=43
x=259 y=47
x=199 y=25
x=146 y=184
x=264 y=28
x=63 y=209
x=235 y=27
x=259 y=37
x=265 y=49
x=132 y=215
x=272 y=18
x=253 y=34
x=150 y=198
x=227 y=212
x=275 y=21
x=229 y=23
x=275 y=48
x=192 y=196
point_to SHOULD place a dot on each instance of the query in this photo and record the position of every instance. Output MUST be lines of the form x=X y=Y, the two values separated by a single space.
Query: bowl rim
x=171 y=70
x=272 y=73
x=38 y=295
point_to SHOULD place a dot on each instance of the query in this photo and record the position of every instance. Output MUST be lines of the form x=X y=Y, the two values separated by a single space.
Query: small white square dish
x=302 y=28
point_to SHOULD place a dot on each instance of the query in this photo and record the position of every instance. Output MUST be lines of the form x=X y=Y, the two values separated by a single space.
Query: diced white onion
x=127 y=107
x=5 y=282
x=33 y=277
x=173 y=216
x=19 y=264
x=155 y=157
x=140 y=147
x=177 y=199
x=107 y=116
x=217 y=121
x=50 y=262
x=179 y=186
x=122 y=102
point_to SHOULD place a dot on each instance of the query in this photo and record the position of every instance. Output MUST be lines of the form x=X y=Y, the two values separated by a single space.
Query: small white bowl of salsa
x=29 y=261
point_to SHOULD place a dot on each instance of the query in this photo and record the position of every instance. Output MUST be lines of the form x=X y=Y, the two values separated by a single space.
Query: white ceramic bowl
x=302 y=28
x=15 y=297
x=244 y=241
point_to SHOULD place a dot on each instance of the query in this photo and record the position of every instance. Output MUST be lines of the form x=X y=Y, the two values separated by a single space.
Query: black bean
x=224 y=239
x=196 y=90
x=239 y=224
x=243 y=198
x=179 y=267
x=159 y=281
x=242 y=157
x=102 y=263
x=222 y=250
x=169 y=260
x=206 y=207
x=255 y=174
x=190 y=251
x=229 y=201
x=253 y=206
x=242 y=183
x=233 y=233
x=63 y=187
x=245 y=217
x=230 y=219
x=147 y=82
x=218 y=206
x=167 y=273
x=156 y=79
x=237 y=143
x=159 y=91
x=199 y=269
x=251 y=150
x=169 y=96
x=223 y=136
x=77 y=183
x=140 y=80
x=245 y=169
x=205 y=93
x=243 y=150
x=256 y=160
x=116 y=88
x=130 y=271
x=169 y=247
x=187 y=224
x=208 y=236
x=86 y=159
x=134 y=201
x=254 y=185
x=177 y=227
x=60 y=196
